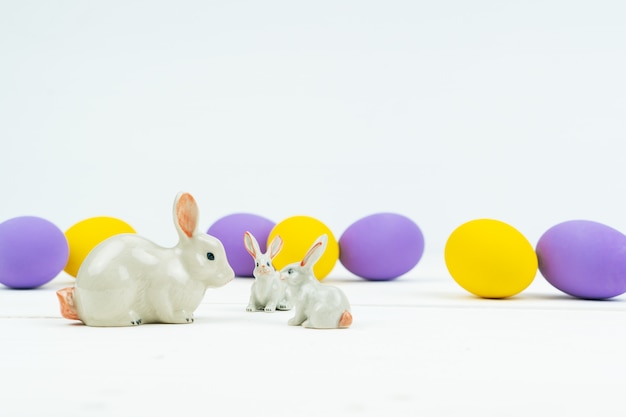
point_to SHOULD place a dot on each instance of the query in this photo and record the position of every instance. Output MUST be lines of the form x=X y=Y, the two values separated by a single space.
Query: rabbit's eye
x=210 y=256
x=268 y=264
x=257 y=264
x=290 y=271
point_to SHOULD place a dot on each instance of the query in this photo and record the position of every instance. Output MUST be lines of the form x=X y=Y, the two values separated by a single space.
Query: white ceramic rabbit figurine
x=128 y=280
x=267 y=291
x=317 y=305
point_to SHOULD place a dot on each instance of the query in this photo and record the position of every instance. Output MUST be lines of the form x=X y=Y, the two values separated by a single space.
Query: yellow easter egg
x=490 y=258
x=298 y=234
x=83 y=236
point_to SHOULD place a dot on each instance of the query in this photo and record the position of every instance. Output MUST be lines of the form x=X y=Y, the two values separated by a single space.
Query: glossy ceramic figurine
x=317 y=305
x=268 y=290
x=128 y=280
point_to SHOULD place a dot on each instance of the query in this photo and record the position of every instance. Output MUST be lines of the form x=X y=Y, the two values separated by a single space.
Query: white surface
x=419 y=345
x=442 y=111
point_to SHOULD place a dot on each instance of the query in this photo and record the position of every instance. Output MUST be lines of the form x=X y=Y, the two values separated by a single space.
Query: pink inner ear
x=248 y=245
x=310 y=253
x=275 y=246
x=187 y=214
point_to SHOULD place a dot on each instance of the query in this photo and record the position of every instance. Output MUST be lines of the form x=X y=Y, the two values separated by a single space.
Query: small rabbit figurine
x=267 y=291
x=128 y=280
x=317 y=305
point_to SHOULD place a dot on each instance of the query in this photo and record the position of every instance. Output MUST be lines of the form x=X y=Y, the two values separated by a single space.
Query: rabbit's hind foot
x=181 y=317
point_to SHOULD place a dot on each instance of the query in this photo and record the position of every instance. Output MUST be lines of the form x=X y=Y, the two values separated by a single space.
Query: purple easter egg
x=584 y=259
x=230 y=230
x=381 y=247
x=32 y=252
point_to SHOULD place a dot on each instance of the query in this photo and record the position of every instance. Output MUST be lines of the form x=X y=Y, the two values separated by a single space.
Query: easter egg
x=381 y=247
x=490 y=258
x=298 y=234
x=32 y=252
x=584 y=259
x=85 y=235
x=230 y=230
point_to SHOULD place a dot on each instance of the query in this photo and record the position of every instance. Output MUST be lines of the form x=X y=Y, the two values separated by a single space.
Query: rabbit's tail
x=66 y=299
x=346 y=319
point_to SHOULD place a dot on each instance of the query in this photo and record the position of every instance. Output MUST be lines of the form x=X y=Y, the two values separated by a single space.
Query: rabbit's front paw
x=284 y=306
x=270 y=308
x=135 y=320
x=296 y=321
x=250 y=308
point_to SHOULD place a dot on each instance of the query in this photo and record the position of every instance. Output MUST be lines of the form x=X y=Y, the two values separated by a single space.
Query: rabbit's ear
x=275 y=246
x=252 y=246
x=185 y=214
x=315 y=252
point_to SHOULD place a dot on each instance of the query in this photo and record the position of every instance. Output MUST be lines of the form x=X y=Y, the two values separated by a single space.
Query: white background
x=441 y=111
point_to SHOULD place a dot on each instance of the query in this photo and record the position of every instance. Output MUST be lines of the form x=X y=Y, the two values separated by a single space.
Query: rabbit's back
x=328 y=298
x=118 y=261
